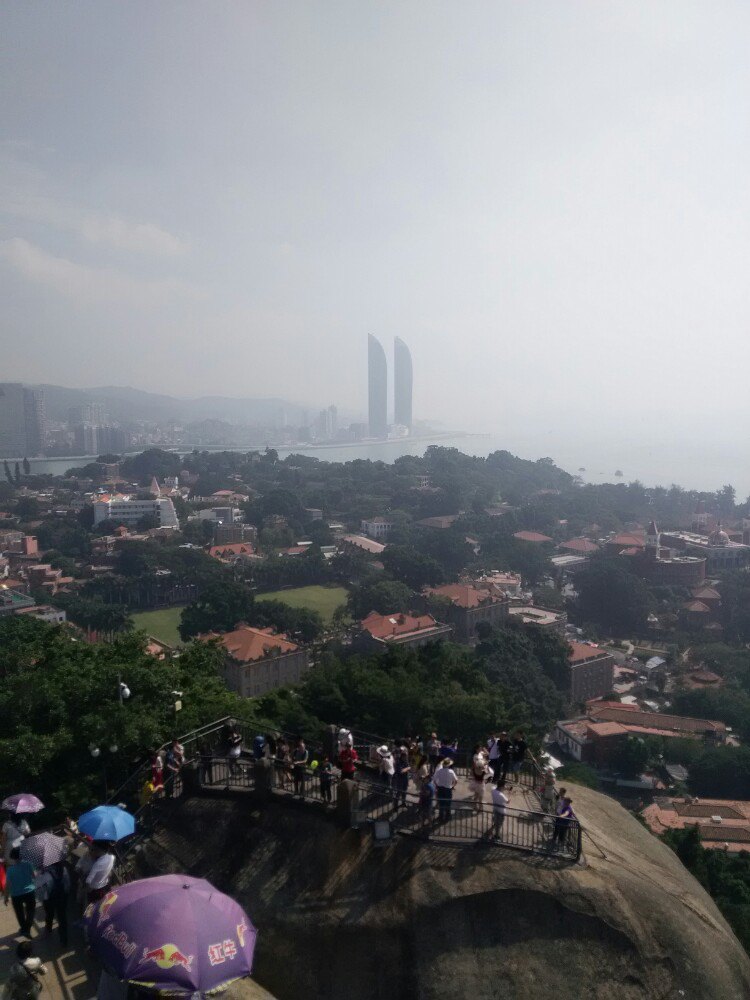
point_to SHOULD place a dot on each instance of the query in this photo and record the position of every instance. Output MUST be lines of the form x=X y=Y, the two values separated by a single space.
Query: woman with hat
x=445 y=781
x=386 y=766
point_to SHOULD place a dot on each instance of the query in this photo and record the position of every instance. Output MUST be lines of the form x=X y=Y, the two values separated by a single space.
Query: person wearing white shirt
x=445 y=781
x=100 y=876
x=500 y=803
x=479 y=773
x=15 y=830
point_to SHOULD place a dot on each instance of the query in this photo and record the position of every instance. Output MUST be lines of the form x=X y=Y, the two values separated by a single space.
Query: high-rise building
x=36 y=421
x=22 y=423
x=86 y=439
x=402 y=383
x=86 y=413
x=377 y=386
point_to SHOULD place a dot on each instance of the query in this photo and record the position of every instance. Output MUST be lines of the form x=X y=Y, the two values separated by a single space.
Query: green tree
x=383 y=596
x=59 y=697
x=405 y=563
x=612 y=597
x=220 y=608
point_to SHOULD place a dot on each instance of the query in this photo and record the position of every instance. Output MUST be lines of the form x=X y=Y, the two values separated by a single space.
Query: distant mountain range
x=124 y=404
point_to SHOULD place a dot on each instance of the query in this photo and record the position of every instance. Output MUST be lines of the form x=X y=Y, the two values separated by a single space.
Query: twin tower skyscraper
x=377 y=385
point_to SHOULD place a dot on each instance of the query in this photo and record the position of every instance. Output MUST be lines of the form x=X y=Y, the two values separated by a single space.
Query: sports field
x=161 y=624
x=322 y=599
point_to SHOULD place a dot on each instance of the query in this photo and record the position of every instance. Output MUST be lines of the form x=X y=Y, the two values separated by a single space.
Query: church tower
x=652 y=541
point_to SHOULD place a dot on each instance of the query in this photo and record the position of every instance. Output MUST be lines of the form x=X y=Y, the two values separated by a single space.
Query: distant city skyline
x=403 y=381
x=377 y=389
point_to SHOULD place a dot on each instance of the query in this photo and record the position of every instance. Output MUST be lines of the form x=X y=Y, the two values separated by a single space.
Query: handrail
x=523 y=829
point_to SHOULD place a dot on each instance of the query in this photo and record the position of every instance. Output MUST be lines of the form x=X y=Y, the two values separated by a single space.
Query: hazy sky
x=548 y=201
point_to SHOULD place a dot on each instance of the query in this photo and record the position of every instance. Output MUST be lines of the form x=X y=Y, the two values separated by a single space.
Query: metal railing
x=464 y=823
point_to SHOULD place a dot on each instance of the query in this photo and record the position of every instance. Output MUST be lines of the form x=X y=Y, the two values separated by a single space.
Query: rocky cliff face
x=342 y=918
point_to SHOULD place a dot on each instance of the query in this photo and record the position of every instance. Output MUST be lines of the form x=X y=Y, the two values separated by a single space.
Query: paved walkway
x=70 y=975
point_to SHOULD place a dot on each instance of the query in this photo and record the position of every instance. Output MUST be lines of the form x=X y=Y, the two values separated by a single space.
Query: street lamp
x=123 y=690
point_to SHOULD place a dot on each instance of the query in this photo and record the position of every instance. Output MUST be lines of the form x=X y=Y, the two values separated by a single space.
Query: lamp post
x=96 y=753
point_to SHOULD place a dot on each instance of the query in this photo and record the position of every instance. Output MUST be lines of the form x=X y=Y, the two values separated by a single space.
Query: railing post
x=347 y=801
x=263 y=772
x=190 y=779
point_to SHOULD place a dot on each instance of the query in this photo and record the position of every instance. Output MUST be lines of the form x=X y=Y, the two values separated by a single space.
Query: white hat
x=383 y=751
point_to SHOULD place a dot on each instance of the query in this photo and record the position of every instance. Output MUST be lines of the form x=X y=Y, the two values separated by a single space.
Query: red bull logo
x=105 y=905
x=167 y=957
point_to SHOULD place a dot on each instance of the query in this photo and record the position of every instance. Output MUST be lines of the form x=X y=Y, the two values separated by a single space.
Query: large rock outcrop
x=342 y=918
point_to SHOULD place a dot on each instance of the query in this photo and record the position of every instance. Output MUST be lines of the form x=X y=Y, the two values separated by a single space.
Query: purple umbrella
x=24 y=802
x=172 y=934
x=43 y=850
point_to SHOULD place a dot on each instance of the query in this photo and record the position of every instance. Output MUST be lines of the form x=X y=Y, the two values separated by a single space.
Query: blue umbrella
x=107 y=823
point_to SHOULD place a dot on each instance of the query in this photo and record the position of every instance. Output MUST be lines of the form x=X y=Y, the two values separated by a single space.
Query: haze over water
x=654 y=464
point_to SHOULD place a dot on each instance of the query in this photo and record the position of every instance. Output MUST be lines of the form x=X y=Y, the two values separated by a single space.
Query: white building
x=130 y=510
x=378 y=528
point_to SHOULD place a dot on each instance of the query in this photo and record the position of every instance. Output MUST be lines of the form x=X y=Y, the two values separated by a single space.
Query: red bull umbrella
x=172 y=935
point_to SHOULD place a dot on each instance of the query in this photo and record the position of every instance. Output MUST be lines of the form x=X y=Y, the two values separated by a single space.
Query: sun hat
x=447 y=762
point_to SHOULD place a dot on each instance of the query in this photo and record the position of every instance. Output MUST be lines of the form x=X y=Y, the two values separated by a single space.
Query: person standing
x=445 y=781
x=53 y=890
x=478 y=775
x=234 y=750
x=299 y=766
x=21 y=890
x=422 y=772
x=386 y=767
x=548 y=795
x=563 y=820
x=347 y=762
x=433 y=752
x=325 y=773
x=493 y=753
x=173 y=759
x=156 y=762
x=206 y=764
x=518 y=753
x=401 y=776
x=426 y=800
x=15 y=829
x=504 y=752
x=99 y=877
x=500 y=802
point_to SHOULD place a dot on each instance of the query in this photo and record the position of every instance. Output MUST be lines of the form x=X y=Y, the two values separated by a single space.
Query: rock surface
x=341 y=918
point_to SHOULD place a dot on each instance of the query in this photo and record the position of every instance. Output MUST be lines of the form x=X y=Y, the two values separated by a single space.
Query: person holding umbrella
x=172 y=935
x=47 y=854
x=20 y=890
x=99 y=877
x=52 y=891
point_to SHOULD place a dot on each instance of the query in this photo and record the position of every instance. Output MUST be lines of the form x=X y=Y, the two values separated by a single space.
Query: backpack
x=22 y=984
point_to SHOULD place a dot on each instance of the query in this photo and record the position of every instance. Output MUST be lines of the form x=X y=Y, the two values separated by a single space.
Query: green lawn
x=160 y=624
x=322 y=599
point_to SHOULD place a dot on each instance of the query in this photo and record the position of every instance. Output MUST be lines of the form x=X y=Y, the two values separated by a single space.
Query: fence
x=210 y=769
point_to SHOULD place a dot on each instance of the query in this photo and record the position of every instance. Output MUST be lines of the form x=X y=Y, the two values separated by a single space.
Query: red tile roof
x=606 y=729
x=583 y=546
x=629 y=539
x=367 y=544
x=385 y=626
x=580 y=652
x=531 y=536
x=697 y=608
x=247 y=645
x=231 y=549
x=624 y=714
x=465 y=595
x=706 y=594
